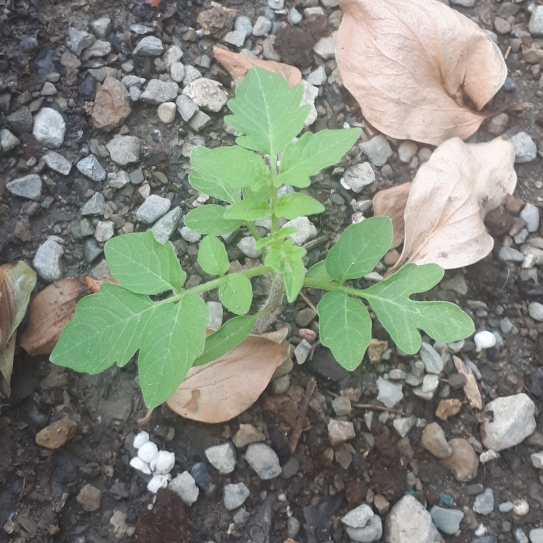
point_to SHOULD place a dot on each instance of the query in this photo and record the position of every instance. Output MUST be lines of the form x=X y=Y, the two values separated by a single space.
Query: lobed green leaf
x=297 y=204
x=212 y=256
x=210 y=219
x=249 y=210
x=213 y=187
x=236 y=294
x=143 y=265
x=287 y=261
x=318 y=272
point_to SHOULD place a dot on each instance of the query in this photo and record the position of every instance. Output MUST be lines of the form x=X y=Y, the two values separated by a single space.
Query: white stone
x=28 y=187
x=525 y=147
x=236 y=38
x=186 y=107
x=157 y=482
x=152 y=209
x=48 y=260
x=121 y=180
x=306 y=230
x=372 y=531
x=377 y=149
x=141 y=439
x=163 y=462
x=235 y=495
x=166 y=112
x=402 y=425
x=184 y=486
x=8 y=141
x=484 y=340
x=207 y=94
x=359 y=176
x=172 y=55
x=262 y=26
x=222 y=457
x=310 y=93
x=148 y=451
x=406 y=151
x=104 y=230
x=49 y=128
x=140 y=465
x=535 y=310
x=177 y=72
x=409 y=522
x=190 y=235
x=57 y=162
x=358 y=518
x=158 y=92
x=124 y=149
x=433 y=362
x=215 y=315
x=326 y=47
x=536 y=22
x=389 y=393
x=247 y=246
x=263 y=460
x=318 y=77
x=530 y=214
x=340 y=431
x=149 y=46
x=91 y=168
x=166 y=225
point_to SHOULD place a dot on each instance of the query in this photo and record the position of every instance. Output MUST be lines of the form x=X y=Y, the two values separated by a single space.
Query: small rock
x=530 y=214
x=381 y=504
x=49 y=128
x=511 y=421
x=185 y=487
x=190 y=235
x=207 y=94
x=302 y=351
x=201 y=475
x=341 y=406
x=21 y=121
x=101 y=27
x=48 y=261
x=158 y=92
x=28 y=187
x=326 y=47
x=409 y=522
x=463 y=462
x=484 y=340
x=535 y=310
x=149 y=47
x=464 y=3
x=235 y=38
x=498 y=124
x=177 y=72
x=434 y=441
x=525 y=147
x=172 y=55
x=310 y=93
x=521 y=507
x=191 y=74
x=124 y=149
x=262 y=26
x=56 y=434
x=222 y=457
x=377 y=149
x=95 y=206
x=448 y=408
x=166 y=112
x=166 y=225
x=358 y=518
x=120 y=181
x=199 y=120
x=91 y=250
x=433 y=363
x=111 y=105
x=246 y=435
x=318 y=77
x=306 y=230
x=484 y=503
x=446 y=520
x=536 y=29
x=505 y=507
x=148 y=451
x=8 y=141
x=217 y=21
x=91 y=168
x=406 y=151
x=305 y=316
x=103 y=231
x=157 y=482
x=389 y=393
x=89 y=498
x=536 y=535
x=510 y=255
x=372 y=531
x=263 y=460
x=235 y=495
x=402 y=425
x=152 y=209
x=57 y=162
x=340 y=431
x=247 y=246
x=243 y=23
x=79 y=40
x=359 y=176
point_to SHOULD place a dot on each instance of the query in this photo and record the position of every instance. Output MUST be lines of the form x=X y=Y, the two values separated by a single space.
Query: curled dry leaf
x=222 y=389
x=238 y=65
x=448 y=201
x=415 y=66
x=391 y=203
x=95 y=284
x=471 y=390
x=50 y=311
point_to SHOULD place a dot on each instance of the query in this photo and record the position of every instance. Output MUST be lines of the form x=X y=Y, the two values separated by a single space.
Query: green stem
x=323 y=285
x=273 y=175
x=253 y=230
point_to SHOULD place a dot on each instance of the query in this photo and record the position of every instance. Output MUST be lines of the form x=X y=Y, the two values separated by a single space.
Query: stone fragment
x=91 y=250
x=69 y=60
x=57 y=162
x=306 y=230
x=446 y=520
x=243 y=23
x=147 y=451
x=158 y=92
x=359 y=176
x=124 y=149
x=340 y=431
x=402 y=425
x=216 y=315
x=89 y=498
x=185 y=487
x=463 y=462
x=247 y=246
x=358 y=517
x=341 y=405
x=521 y=507
x=207 y=94
x=484 y=503
x=222 y=457
x=79 y=40
x=150 y=46
x=111 y=105
x=434 y=441
x=246 y=435
x=199 y=121
x=510 y=421
x=217 y=21
x=262 y=26
x=389 y=393
x=166 y=225
x=21 y=121
x=56 y=434
x=484 y=340
x=317 y=77
x=535 y=25
x=49 y=128
x=8 y=141
x=48 y=261
x=409 y=522
x=530 y=214
x=177 y=72
x=28 y=187
x=166 y=112
x=510 y=255
x=101 y=27
x=95 y=206
x=104 y=230
x=308 y=98
x=448 y=408
x=263 y=460
x=433 y=363
x=152 y=209
x=235 y=495
x=235 y=38
x=377 y=149
x=191 y=74
x=99 y=48
x=91 y=168
x=172 y=55
x=372 y=531
x=326 y=47
x=535 y=310
x=525 y=147
x=406 y=151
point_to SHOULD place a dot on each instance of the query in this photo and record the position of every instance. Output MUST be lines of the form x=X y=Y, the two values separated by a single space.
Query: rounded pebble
x=166 y=112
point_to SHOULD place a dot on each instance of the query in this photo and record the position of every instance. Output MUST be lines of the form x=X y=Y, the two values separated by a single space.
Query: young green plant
x=151 y=311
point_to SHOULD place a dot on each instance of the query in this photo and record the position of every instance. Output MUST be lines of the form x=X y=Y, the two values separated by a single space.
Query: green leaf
x=236 y=293
x=267 y=112
x=297 y=204
x=212 y=256
x=228 y=167
x=249 y=210
x=345 y=328
x=359 y=249
x=287 y=261
x=143 y=265
x=213 y=187
x=228 y=336
x=318 y=272
x=403 y=317
x=107 y=328
x=173 y=338
x=313 y=152
x=210 y=219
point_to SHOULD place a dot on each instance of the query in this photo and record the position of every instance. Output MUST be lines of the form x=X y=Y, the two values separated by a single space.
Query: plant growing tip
x=170 y=332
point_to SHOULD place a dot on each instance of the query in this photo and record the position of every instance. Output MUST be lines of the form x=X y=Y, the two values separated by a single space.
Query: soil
x=38 y=487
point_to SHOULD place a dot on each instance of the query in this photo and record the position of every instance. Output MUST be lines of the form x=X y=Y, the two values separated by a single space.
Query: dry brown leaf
x=413 y=66
x=95 y=284
x=50 y=311
x=471 y=390
x=6 y=366
x=391 y=203
x=448 y=201
x=238 y=65
x=221 y=390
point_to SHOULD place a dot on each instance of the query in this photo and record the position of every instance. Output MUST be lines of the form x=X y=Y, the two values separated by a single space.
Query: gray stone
x=191 y=74
x=57 y=162
x=186 y=107
x=358 y=518
x=359 y=176
x=172 y=55
x=484 y=503
x=235 y=495
x=402 y=425
x=91 y=168
x=536 y=535
x=21 y=120
x=235 y=38
x=406 y=151
x=99 y=48
x=308 y=98
x=177 y=72
x=263 y=460
x=306 y=230
x=262 y=26
x=497 y=124
x=152 y=209
x=446 y=520
x=104 y=230
x=520 y=536
x=464 y=3
x=456 y=283
x=140 y=29
x=207 y=94
x=291 y=468
x=341 y=405
x=124 y=149
x=510 y=255
x=530 y=214
x=377 y=149
x=276 y=4
x=91 y=250
x=293 y=527
x=215 y=315
x=340 y=431
x=28 y=187
x=101 y=27
x=525 y=147
x=326 y=47
x=165 y=226
x=158 y=92
x=317 y=77
x=506 y=507
x=48 y=261
x=536 y=22
x=511 y=421
x=189 y=235
x=134 y=93
x=247 y=247
x=222 y=457
x=130 y=81
x=185 y=487
x=199 y=121
x=121 y=180
x=243 y=23
x=433 y=363
x=409 y=522
x=295 y=16
x=79 y=40
x=240 y=518
x=372 y=531
x=95 y=206
x=535 y=309
x=8 y=141
x=69 y=60
x=49 y=128
x=149 y=47
x=48 y=89
x=389 y=393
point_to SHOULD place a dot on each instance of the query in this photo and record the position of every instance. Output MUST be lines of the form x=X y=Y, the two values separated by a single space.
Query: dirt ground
x=38 y=487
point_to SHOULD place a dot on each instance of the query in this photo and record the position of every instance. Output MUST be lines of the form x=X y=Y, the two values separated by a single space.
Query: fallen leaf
x=448 y=201
x=95 y=284
x=6 y=366
x=238 y=65
x=415 y=67
x=391 y=203
x=222 y=389
x=50 y=311
x=471 y=390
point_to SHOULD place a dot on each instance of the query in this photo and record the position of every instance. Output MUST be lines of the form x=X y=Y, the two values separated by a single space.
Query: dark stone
x=509 y=84
x=28 y=44
x=201 y=475
x=90 y=470
x=87 y=88
x=21 y=121
x=119 y=489
x=44 y=62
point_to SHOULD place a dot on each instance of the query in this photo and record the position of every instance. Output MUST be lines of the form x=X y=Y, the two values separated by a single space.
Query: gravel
x=262 y=26
x=149 y=47
x=326 y=47
x=207 y=94
x=186 y=107
x=536 y=22
x=95 y=206
x=124 y=149
x=263 y=460
x=377 y=149
x=235 y=495
x=79 y=40
x=530 y=214
x=49 y=128
x=48 y=261
x=433 y=363
x=91 y=168
x=166 y=112
x=185 y=487
x=484 y=503
x=389 y=393
x=358 y=176
x=158 y=92
x=525 y=147
x=222 y=457
x=166 y=225
x=306 y=230
x=446 y=520
x=409 y=522
x=153 y=208
x=21 y=121
x=535 y=309
x=28 y=187
x=8 y=141
x=247 y=246
x=57 y=162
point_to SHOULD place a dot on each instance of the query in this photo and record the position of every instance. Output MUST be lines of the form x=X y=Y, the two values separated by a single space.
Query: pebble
x=191 y=74
x=166 y=225
x=434 y=441
x=103 y=231
x=199 y=121
x=166 y=112
x=326 y=47
x=222 y=457
x=95 y=206
x=525 y=147
x=463 y=462
x=28 y=187
x=177 y=72
x=512 y=420
x=535 y=25
x=433 y=363
x=91 y=249
x=302 y=351
x=402 y=425
x=158 y=91
x=49 y=128
x=56 y=434
x=153 y=208
x=317 y=77
x=497 y=124
x=140 y=465
x=185 y=487
x=295 y=16
x=446 y=520
x=263 y=460
x=57 y=162
x=535 y=310
x=48 y=261
x=215 y=315
x=201 y=475
x=235 y=495
x=190 y=235
x=530 y=214
x=505 y=507
x=484 y=340
x=306 y=230
x=409 y=522
x=172 y=55
x=235 y=38
x=389 y=393
x=520 y=507
x=377 y=149
x=243 y=23
x=373 y=531
x=163 y=462
x=124 y=149
x=484 y=503
x=157 y=482
x=246 y=435
x=186 y=107
x=536 y=535
x=147 y=451
x=262 y=26
x=359 y=176
x=89 y=498
x=310 y=93
x=406 y=151
x=91 y=168
x=510 y=254
x=358 y=517
x=340 y=431
x=207 y=94
x=8 y=141
x=79 y=40
x=341 y=406
x=140 y=439
x=120 y=180
x=247 y=246
x=101 y=27
x=111 y=105
x=149 y=46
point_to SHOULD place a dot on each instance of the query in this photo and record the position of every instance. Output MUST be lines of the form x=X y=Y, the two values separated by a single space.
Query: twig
x=302 y=413
x=308 y=301
x=314 y=348
x=372 y=407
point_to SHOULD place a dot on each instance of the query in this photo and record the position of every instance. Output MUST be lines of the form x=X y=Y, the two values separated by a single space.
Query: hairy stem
x=273 y=175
